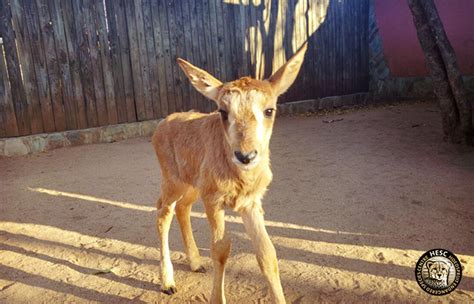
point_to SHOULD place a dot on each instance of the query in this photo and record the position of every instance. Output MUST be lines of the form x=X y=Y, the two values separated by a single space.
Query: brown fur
x=196 y=155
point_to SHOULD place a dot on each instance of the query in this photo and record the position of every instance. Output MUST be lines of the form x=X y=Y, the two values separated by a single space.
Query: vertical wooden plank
x=85 y=62
x=253 y=36
x=55 y=82
x=19 y=99
x=340 y=44
x=160 y=58
x=169 y=61
x=364 y=43
x=74 y=63
x=190 y=47
x=152 y=58
x=302 y=79
x=244 y=68
x=213 y=39
x=63 y=64
x=7 y=112
x=210 y=48
x=106 y=60
x=93 y=41
x=231 y=33
x=114 y=44
x=175 y=47
x=238 y=64
x=27 y=66
x=143 y=59
x=201 y=58
x=221 y=41
x=248 y=35
x=41 y=73
x=125 y=58
x=115 y=57
x=54 y=73
x=289 y=24
x=181 y=51
x=135 y=60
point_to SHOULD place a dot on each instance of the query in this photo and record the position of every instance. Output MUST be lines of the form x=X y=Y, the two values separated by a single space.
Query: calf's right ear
x=201 y=80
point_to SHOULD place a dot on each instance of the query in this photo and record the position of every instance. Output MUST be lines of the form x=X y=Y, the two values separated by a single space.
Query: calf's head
x=247 y=107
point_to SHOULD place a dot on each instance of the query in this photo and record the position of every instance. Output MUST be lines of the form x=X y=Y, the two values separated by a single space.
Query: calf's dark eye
x=224 y=114
x=268 y=112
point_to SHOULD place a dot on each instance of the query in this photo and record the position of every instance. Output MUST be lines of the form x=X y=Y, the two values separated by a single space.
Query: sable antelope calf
x=222 y=157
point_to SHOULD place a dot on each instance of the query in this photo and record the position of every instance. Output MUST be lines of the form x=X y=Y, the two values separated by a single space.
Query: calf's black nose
x=245 y=158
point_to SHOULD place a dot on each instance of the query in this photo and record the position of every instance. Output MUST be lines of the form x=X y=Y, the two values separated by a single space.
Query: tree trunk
x=448 y=86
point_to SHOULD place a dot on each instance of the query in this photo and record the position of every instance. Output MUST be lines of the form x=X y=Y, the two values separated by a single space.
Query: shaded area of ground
x=353 y=205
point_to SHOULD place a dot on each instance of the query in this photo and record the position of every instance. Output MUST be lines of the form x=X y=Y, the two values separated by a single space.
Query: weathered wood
x=175 y=48
x=189 y=51
x=54 y=73
x=63 y=64
x=116 y=61
x=143 y=59
x=74 y=63
x=180 y=52
x=8 y=124
x=152 y=58
x=39 y=61
x=96 y=62
x=135 y=60
x=17 y=89
x=166 y=48
x=210 y=48
x=27 y=67
x=201 y=57
x=160 y=60
x=106 y=61
x=125 y=58
x=85 y=63
x=91 y=65
x=221 y=42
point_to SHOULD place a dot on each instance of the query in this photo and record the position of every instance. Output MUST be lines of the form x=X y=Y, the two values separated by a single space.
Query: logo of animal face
x=438 y=271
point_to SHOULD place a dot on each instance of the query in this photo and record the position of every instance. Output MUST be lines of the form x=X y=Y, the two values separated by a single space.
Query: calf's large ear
x=201 y=80
x=286 y=75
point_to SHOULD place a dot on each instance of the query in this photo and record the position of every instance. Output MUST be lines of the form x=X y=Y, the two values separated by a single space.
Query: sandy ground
x=353 y=205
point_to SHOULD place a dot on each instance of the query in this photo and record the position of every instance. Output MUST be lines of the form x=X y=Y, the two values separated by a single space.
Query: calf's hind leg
x=166 y=205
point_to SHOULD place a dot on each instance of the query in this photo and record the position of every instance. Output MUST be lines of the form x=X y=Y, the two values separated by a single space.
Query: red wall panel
x=401 y=47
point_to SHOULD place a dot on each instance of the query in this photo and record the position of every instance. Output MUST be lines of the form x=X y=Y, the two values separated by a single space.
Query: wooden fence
x=73 y=64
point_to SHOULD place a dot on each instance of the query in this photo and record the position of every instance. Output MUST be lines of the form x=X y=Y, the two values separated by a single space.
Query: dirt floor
x=353 y=205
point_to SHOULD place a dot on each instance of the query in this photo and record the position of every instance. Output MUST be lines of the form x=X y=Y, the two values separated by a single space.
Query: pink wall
x=401 y=47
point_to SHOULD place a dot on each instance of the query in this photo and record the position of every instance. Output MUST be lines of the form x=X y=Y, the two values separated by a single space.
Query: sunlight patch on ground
x=75 y=239
x=229 y=218
x=372 y=254
x=60 y=273
x=74 y=258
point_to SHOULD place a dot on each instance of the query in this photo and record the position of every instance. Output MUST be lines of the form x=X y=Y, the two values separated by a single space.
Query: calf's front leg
x=265 y=252
x=220 y=250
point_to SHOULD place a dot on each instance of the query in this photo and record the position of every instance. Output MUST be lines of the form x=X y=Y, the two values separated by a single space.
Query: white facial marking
x=258 y=113
x=237 y=104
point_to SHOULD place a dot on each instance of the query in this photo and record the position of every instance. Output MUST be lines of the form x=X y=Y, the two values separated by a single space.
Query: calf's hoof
x=170 y=290
x=200 y=269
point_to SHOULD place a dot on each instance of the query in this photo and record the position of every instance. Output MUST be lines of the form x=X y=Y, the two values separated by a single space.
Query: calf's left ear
x=286 y=75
